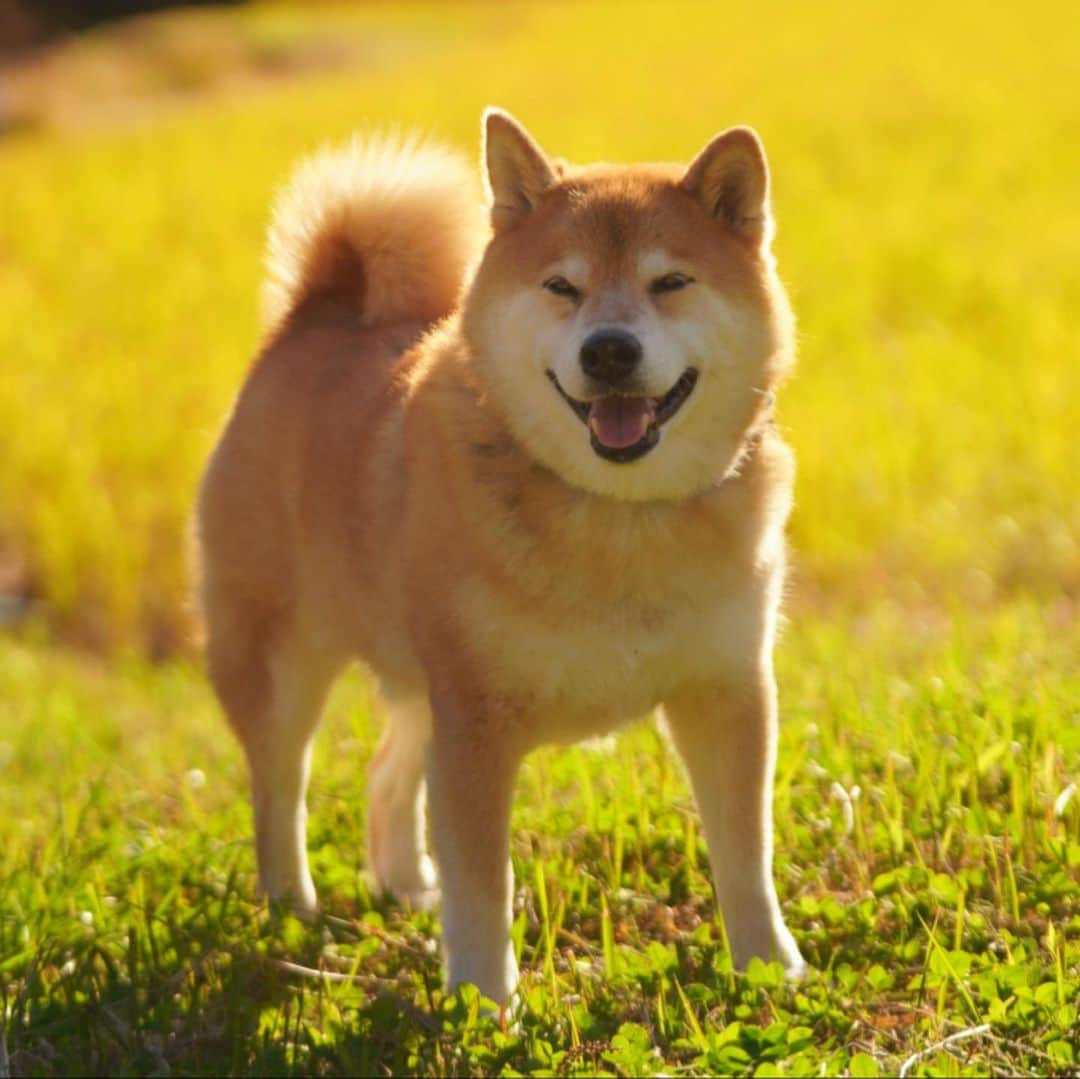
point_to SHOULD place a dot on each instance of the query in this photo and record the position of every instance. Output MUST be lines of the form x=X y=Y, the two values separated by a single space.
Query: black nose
x=610 y=355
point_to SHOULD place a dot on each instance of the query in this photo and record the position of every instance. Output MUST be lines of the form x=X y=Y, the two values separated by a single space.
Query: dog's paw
x=414 y=884
x=305 y=908
x=290 y=893
x=419 y=898
x=796 y=970
x=787 y=951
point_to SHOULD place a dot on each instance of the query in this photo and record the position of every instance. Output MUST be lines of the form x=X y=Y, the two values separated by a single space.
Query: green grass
x=927 y=858
x=947 y=899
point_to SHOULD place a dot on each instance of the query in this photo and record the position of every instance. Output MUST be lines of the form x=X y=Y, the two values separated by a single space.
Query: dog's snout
x=610 y=355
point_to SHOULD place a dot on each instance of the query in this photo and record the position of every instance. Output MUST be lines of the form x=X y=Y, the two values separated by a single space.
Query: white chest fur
x=599 y=666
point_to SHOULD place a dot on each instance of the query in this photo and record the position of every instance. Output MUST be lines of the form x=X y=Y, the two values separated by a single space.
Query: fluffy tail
x=386 y=225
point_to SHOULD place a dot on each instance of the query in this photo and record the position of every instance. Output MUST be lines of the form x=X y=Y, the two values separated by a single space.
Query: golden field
x=924 y=169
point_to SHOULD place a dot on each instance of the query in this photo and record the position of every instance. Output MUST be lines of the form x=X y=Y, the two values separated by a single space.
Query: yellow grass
x=925 y=164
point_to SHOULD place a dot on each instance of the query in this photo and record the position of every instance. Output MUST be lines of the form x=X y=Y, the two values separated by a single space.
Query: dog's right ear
x=518 y=171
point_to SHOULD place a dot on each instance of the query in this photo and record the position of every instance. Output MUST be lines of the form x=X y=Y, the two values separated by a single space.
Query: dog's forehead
x=620 y=218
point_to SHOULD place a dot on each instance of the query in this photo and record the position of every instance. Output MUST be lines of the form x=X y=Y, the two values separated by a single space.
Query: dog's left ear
x=730 y=177
x=518 y=171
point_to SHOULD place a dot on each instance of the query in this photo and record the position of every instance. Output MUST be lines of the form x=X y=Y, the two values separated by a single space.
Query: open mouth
x=622 y=427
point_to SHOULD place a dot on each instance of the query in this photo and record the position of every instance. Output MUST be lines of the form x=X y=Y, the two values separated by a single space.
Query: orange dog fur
x=528 y=475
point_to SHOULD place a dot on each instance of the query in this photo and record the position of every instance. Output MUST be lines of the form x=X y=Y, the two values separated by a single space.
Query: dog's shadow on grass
x=357 y=994
x=223 y=985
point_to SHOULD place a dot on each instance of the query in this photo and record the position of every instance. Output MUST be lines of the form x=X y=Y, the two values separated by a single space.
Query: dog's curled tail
x=385 y=225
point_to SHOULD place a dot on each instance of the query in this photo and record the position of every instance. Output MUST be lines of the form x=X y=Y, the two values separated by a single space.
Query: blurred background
x=925 y=168
x=925 y=176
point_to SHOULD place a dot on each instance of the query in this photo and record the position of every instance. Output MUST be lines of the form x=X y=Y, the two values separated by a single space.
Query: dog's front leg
x=726 y=735
x=471 y=771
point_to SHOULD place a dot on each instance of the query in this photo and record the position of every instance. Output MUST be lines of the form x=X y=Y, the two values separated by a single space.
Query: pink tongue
x=618 y=422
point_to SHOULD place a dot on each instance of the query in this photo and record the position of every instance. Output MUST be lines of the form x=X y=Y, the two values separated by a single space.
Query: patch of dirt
x=133 y=69
x=16 y=589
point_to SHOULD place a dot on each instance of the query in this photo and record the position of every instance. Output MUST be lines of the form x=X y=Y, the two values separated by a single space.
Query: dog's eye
x=561 y=287
x=670 y=282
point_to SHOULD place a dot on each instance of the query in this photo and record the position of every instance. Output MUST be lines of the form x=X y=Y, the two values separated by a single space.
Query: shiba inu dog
x=526 y=470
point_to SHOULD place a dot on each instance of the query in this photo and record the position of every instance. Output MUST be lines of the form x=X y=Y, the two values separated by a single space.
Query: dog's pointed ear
x=518 y=171
x=730 y=178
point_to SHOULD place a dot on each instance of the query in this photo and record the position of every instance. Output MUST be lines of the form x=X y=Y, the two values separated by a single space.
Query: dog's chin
x=625 y=427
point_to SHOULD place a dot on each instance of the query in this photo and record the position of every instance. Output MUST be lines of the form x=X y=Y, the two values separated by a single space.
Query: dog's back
x=367 y=250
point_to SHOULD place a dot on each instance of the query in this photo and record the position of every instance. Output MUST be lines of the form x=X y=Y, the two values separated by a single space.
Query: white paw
x=771 y=944
x=419 y=898
x=495 y=975
x=301 y=900
x=796 y=969
x=415 y=883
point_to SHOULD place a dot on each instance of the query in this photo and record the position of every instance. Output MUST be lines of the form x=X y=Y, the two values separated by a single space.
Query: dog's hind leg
x=273 y=691
x=396 y=797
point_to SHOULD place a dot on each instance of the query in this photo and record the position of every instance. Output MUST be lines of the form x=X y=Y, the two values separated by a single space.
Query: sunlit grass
x=928 y=850
x=923 y=172
x=924 y=868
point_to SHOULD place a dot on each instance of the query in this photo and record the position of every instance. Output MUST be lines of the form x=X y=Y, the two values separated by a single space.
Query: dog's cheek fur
x=517 y=339
x=729 y=341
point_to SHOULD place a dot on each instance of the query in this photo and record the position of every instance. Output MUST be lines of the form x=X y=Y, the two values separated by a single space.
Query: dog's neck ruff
x=751 y=442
